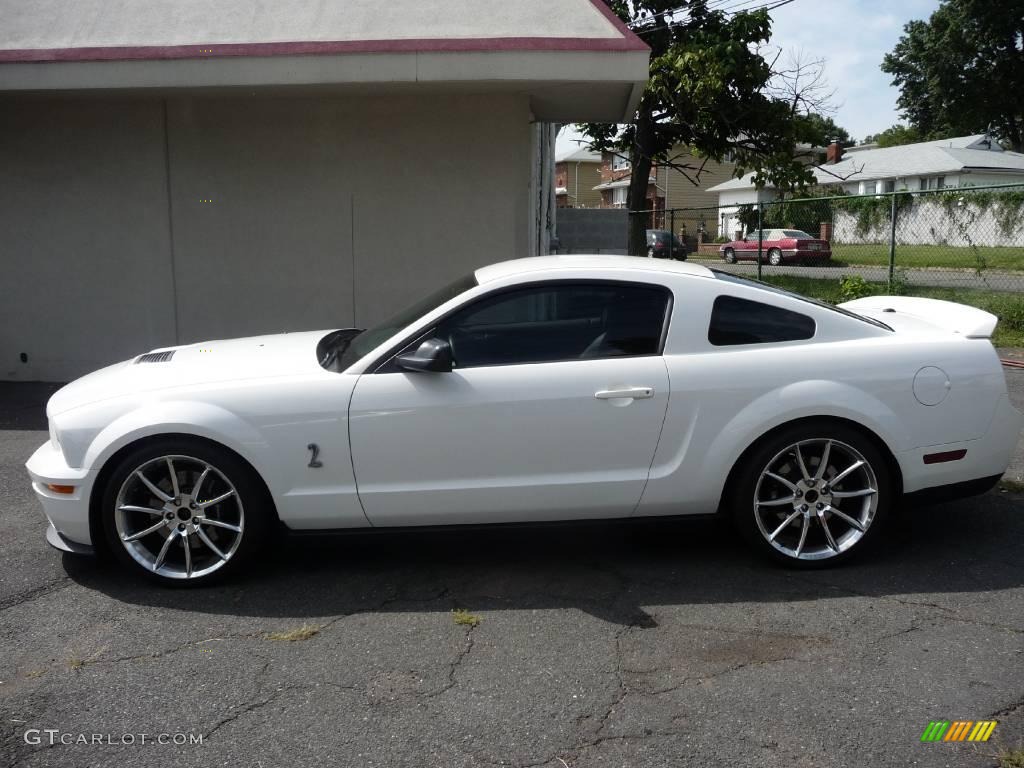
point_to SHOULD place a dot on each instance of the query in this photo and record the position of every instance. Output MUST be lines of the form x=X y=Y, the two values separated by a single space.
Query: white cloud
x=852 y=37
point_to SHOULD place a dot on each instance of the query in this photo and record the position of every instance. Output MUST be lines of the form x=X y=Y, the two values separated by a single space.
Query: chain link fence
x=965 y=238
x=962 y=244
x=969 y=237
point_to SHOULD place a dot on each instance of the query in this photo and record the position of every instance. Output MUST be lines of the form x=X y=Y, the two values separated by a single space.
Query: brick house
x=616 y=174
x=668 y=188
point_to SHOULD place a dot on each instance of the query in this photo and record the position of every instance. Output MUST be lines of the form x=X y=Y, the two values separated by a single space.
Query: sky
x=853 y=36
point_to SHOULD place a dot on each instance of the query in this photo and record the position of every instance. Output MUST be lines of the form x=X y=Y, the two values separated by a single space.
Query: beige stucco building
x=176 y=170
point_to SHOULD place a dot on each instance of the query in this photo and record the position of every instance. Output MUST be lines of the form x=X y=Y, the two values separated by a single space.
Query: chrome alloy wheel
x=179 y=517
x=815 y=499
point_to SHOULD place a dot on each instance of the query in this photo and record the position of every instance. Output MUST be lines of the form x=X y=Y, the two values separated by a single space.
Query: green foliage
x=900 y=283
x=872 y=211
x=1007 y=205
x=854 y=287
x=806 y=211
x=961 y=72
x=895 y=136
x=828 y=130
x=709 y=90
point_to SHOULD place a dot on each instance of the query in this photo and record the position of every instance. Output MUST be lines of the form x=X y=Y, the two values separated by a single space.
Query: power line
x=724 y=6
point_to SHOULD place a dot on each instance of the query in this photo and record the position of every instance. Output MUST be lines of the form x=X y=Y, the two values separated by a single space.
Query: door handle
x=635 y=393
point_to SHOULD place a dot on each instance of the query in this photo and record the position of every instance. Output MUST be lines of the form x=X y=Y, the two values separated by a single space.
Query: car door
x=748 y=246
x=553 y=410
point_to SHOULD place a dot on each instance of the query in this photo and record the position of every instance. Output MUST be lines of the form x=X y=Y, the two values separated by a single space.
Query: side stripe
x=958 y=730
x=935 y=730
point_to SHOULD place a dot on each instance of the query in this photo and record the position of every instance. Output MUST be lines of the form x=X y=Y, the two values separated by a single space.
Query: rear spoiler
x=967 y=321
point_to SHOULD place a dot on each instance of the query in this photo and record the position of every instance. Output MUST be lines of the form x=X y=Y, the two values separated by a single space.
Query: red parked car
x=778 y=246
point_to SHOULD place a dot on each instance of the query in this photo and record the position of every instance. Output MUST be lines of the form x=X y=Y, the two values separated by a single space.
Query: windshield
x=374 y=337
x=731 y=278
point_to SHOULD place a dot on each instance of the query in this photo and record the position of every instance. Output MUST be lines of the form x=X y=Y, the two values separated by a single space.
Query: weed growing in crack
x=464 y=618
x=296 y=635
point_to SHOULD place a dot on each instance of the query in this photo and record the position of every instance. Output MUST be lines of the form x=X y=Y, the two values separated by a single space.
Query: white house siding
x=135 y=223
x=729 y=203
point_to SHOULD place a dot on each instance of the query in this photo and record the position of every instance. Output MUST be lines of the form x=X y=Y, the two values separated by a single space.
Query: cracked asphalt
x=663 y=644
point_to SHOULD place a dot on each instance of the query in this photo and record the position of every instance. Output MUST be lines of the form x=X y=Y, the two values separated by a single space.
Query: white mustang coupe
x=542 y=389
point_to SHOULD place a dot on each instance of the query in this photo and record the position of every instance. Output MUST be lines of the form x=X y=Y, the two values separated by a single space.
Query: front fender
x=200 y=419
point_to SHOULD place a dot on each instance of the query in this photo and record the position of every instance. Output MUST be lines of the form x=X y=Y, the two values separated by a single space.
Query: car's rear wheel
x=812 y=495
x=774 y=257
x=729 y=255
x=184 y=512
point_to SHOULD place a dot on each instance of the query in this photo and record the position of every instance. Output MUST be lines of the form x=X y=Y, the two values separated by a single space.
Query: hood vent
x=155 y=357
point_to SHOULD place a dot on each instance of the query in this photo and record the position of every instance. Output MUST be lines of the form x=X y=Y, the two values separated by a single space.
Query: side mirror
x=432 y=355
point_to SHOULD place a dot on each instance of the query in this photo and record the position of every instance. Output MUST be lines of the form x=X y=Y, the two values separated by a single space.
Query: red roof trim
x=628 y=42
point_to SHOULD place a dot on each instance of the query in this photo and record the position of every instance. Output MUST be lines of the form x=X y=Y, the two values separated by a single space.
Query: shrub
x=855 y=287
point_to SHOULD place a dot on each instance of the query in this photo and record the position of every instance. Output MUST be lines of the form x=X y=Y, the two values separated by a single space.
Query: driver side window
x=555 y=322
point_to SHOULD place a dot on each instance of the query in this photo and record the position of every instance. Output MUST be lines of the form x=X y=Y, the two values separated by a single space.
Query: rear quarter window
x=736 y=321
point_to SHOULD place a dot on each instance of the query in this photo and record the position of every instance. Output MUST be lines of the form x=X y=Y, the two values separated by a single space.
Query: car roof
x=582 y=261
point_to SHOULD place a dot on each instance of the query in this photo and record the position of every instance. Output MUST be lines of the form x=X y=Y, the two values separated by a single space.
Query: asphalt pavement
x=651 y=645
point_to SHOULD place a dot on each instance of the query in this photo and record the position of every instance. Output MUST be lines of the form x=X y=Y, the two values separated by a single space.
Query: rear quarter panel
x=723 y=399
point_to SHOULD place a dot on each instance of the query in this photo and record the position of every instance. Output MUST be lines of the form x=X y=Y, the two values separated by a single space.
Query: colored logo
x=959 y=730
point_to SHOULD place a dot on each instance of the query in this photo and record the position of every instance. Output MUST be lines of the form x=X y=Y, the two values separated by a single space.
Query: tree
x=962 y=71
x=895 y=136
x=828 y=128
x=712 y=89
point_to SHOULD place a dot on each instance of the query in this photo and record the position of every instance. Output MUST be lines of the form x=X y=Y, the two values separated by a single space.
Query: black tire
x=774 y=257
x=650 y=253
x=254 y=514
x=729 y=255
x=754 y=522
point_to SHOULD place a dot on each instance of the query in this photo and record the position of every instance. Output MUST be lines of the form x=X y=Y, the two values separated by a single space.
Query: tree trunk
x=640 y=165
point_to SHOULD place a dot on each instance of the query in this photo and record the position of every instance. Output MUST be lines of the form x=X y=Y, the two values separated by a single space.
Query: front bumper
x=986 y=457
x=68 y=513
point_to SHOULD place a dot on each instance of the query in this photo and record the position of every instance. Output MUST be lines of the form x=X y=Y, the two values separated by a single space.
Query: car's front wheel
x=775 y=257
x=729 y=255
x=184 y=512
x=813 y=494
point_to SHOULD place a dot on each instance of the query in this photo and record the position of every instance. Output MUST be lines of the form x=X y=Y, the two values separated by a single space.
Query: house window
x=889 y=185
x=935 y=182
x=619 y=163
x=619 y=196
x=870 y=187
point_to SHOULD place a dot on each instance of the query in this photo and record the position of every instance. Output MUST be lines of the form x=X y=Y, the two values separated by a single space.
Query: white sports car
x=541 y=389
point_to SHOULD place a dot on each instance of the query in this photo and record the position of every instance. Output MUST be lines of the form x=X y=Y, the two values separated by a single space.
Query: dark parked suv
x=662 y=244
